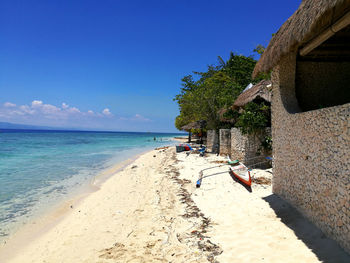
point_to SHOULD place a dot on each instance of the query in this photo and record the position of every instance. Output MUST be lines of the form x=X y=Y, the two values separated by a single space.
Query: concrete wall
x=311 y=156
x=212 y=141
x=247 y=148
x=225 y=141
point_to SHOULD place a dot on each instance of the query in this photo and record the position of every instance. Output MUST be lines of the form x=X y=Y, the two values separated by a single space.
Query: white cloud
x=9 y=105
x=139 y=117
x=73 y=110
x=46 y=109
x=136 y=118
x=36 y=103
x=26 y=109
x=106 y=112
x=49 y=109
x=37 y=112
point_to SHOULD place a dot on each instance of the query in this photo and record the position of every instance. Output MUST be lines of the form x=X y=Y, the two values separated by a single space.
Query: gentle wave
x=39 y=169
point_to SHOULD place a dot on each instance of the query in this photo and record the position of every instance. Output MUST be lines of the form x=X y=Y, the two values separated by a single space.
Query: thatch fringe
x=194 y=125
x=311 y=18
x=260 y=90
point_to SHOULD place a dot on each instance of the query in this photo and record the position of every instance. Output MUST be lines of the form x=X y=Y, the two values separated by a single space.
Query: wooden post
x=330 y=31
x=189 y=136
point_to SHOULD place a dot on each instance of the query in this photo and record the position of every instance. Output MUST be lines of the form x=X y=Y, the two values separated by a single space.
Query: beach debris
x=193 y=212
x=113 y=252
x=209 y=246
x=186 y=181
x=71 y=206
x=130 y=233
x=154 y=156
x=150 y=245
x=261 y=180
x=195 y=236
x=134 y=166
x=225 y=162
x=162 y=148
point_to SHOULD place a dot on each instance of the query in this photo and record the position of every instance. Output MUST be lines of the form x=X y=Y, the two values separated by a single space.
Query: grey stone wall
x=212 y=141
x=311 y=156
x=247 y=148
x=225 y=141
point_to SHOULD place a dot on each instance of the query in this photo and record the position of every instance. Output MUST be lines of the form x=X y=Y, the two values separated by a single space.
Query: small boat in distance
x=241 y=172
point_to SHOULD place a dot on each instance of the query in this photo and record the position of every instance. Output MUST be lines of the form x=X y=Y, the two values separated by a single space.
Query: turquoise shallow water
x=40 y=168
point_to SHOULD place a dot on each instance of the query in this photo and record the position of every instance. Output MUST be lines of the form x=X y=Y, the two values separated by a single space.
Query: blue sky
x=116 y=65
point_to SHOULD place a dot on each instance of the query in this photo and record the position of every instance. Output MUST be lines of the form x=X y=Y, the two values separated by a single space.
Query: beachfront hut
x=310 y=61
x=257 y=93
x=196 y=125
x=247 y=148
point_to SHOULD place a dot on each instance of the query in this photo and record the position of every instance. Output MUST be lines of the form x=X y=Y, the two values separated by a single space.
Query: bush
x=256 y=117
x=266 y=143
x=231 y=114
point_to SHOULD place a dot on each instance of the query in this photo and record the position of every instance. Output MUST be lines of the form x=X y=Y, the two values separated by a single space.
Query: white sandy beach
x=151 y=211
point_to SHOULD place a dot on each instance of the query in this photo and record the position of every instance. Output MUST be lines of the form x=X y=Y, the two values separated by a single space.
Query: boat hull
x=242 y=176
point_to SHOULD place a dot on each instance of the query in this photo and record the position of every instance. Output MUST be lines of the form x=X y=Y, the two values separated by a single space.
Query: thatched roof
x=194 y=125
x=311 y=18
x=260 y=90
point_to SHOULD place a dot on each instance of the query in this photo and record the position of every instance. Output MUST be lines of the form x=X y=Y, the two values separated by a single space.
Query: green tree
x=240 y=68
x=212 y=90
x=259 y=49
x=254 y=118
x=187 y=101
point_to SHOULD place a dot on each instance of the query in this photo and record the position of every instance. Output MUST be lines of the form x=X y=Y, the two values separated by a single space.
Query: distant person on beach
x=154 y=138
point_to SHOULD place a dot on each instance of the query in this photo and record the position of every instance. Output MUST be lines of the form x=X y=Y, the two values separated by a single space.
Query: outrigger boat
x=241 y=172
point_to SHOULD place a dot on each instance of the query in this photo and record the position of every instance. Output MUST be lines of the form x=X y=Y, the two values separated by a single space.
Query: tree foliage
x=259 y=49
x=203 y=94
x=254 y=118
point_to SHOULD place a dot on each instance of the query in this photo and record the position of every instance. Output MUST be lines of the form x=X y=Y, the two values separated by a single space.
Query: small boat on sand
x=241 y=172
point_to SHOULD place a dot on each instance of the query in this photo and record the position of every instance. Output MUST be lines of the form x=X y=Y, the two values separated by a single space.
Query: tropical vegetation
x=204 y=94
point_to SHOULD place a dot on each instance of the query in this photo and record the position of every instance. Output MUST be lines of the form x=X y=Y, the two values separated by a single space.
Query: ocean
x=39 y=169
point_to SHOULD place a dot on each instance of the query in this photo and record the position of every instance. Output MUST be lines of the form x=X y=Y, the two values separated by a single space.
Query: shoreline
x=89 y=185
x=35 y=182
x=151 y=211
x=51 y=216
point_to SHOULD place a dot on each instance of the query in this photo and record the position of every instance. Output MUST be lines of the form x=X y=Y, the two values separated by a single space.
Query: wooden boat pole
x=199 y=181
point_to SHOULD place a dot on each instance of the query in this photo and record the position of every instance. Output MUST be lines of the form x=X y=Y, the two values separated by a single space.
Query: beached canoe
x=242 y=173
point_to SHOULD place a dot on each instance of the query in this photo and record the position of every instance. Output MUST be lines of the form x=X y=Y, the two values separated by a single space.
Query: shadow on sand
x=326 y=249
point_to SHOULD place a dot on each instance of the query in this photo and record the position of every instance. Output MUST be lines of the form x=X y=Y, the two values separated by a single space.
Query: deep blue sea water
x=40 y=168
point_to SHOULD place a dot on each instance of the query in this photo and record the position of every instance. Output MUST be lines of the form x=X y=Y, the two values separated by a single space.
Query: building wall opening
x=323 y=76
